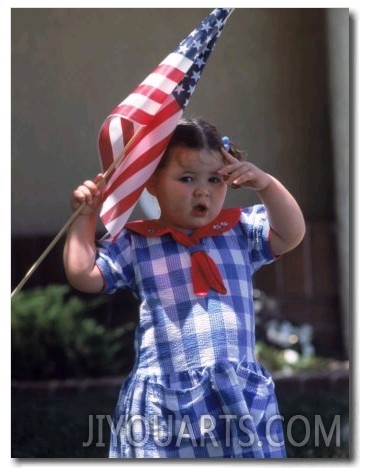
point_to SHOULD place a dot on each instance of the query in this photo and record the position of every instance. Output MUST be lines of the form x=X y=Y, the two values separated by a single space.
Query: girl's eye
x=215 y=180
x=186 y=179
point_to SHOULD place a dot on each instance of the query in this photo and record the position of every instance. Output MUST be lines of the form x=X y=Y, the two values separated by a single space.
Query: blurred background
x=278 y=84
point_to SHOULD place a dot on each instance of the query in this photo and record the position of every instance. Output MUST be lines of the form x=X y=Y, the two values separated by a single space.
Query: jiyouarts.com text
x=138 y=429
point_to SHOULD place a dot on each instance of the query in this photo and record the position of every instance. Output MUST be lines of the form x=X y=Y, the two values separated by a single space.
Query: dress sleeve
x=114 y=260
x=255 y=224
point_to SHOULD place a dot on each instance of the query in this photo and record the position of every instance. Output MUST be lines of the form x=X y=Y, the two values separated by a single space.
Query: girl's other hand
x=243 y=173
x=89 y=193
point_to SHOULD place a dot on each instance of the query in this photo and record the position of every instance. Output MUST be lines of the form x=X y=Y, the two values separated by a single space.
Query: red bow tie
x=205 y=274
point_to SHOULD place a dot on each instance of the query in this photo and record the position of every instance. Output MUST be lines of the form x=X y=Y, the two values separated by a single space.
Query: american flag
x=140 y=127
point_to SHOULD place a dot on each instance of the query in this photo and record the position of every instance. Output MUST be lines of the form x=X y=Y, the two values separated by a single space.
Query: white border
x=357 y=13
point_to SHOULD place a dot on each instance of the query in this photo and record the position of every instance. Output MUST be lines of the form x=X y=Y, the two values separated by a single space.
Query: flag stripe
x=141 y=102
x=113 y=137
x=160 y=82
x=128 y=129
x=152 y=93
x=134 y=113
x=105 y=146
x=173 y=72
x=173 y=58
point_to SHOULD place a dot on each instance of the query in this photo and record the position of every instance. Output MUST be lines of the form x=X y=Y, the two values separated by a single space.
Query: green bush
x=53 y=335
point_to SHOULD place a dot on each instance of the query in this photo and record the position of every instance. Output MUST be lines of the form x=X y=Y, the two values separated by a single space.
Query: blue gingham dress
x=196 y=389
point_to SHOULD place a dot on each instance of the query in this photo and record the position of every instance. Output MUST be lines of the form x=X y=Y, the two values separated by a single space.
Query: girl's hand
x=243 y=173
x=89 y=192
x=284 y=214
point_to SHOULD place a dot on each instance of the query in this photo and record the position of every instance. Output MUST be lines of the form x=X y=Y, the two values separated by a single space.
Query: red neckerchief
x=205 y=274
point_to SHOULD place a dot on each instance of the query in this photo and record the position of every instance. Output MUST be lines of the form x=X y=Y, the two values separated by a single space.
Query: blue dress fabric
x=196 y=389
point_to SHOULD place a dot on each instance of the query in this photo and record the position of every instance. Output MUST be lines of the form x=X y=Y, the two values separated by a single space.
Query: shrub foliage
x=54 y=335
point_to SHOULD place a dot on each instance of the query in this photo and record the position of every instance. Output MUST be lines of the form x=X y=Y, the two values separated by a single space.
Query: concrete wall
x=265 y=86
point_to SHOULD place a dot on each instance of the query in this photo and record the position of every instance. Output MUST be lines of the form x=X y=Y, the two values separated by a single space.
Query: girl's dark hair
x=197 y=134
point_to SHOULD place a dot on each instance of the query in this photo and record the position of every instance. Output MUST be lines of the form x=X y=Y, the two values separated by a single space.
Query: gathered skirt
x=227 y=410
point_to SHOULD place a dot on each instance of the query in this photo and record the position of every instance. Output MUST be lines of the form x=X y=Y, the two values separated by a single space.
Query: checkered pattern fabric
x=196 y=389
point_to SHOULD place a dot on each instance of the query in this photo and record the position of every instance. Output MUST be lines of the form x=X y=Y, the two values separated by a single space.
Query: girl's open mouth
x=200 y=210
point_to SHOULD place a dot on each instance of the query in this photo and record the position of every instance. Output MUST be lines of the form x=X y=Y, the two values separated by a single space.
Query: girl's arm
x=80 y=250
x=284 y=214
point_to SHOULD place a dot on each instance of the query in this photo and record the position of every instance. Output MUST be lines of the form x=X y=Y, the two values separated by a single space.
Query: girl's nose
x=202 y=192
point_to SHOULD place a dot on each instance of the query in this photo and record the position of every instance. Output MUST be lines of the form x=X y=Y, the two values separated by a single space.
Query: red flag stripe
x=155 y=94
x=134 y=113
x=128 y=130
x=173 y=73
x=121 y=207
x=105 y=146
x=122 y=130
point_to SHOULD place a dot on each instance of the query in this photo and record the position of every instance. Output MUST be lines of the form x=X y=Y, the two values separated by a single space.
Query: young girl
x=196 y=389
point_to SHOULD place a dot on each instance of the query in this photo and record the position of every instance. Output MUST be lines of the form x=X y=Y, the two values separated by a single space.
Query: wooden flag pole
x=74 y=215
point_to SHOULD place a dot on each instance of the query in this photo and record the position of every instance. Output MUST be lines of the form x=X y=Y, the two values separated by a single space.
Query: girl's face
x=189 y=190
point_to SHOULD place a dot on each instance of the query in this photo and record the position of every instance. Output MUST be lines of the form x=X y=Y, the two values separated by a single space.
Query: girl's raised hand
x=89 y=192
x=243 y=173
